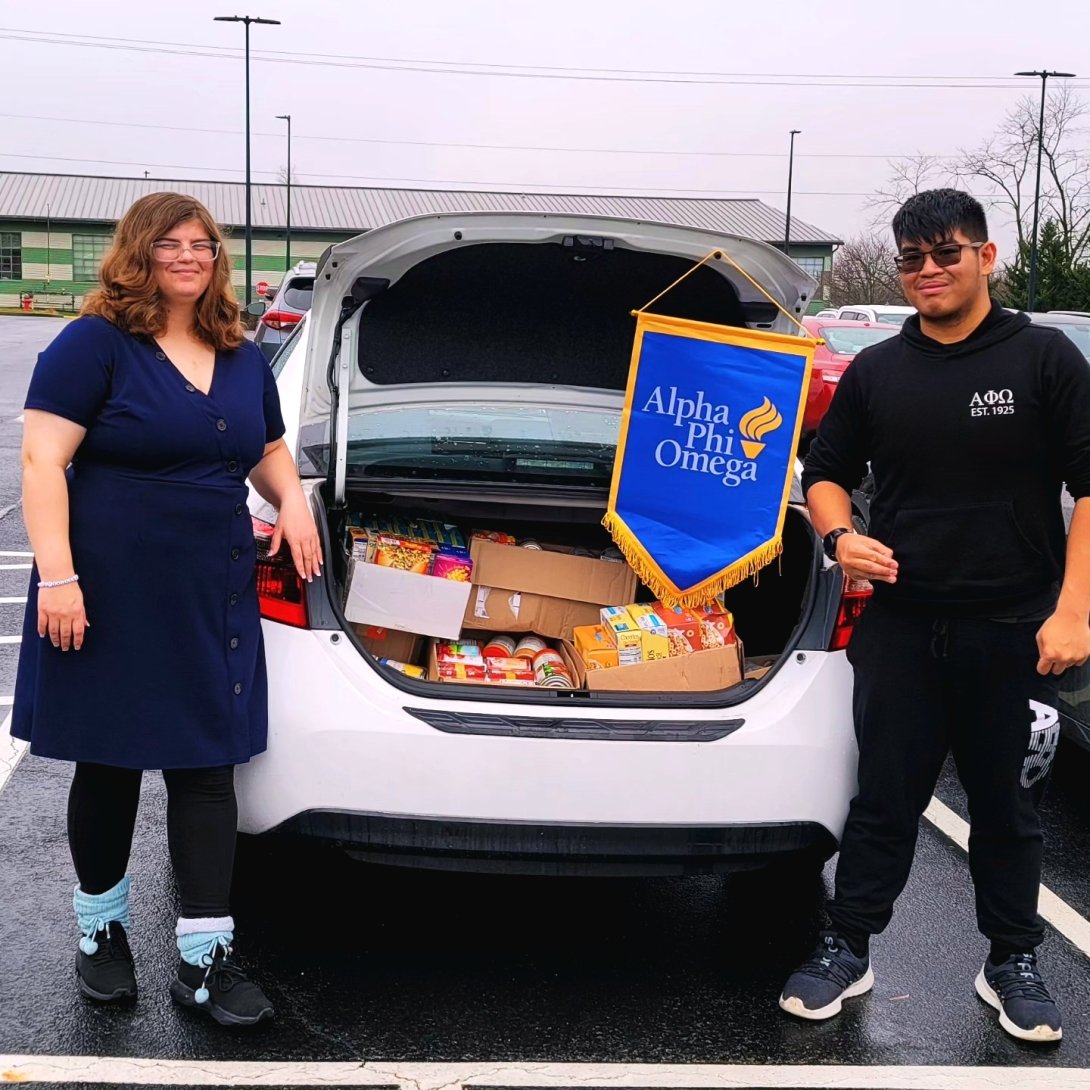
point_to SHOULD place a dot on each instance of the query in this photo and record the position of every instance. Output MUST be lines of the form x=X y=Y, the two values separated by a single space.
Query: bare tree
x=907 y=176
x=282 y=176
x=863 y=272
x=1007 y=161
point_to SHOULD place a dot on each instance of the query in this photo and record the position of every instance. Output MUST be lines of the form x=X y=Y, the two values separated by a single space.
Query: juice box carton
x=655 y=637
x=594 y=648
x=623 y=633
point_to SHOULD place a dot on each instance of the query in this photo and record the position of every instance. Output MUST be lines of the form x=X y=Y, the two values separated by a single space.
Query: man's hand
x=1063 y=641
x=865 y=558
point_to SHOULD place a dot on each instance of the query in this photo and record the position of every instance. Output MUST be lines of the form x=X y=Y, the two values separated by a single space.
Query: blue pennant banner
x=706 y=453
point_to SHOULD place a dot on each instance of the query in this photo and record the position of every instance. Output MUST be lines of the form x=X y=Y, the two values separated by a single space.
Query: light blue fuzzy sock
x=197 y=942
x=95 y=911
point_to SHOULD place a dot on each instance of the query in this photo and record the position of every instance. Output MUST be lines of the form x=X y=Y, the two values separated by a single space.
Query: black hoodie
x=969 y=444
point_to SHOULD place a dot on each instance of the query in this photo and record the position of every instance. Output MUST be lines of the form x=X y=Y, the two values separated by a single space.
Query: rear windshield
x=299 y=293
x=514 y=443
x=845 y=341
x=892 y=319
x=1080 y=334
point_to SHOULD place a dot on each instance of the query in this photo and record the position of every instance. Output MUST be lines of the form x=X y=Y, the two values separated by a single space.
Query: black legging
x=202 y=817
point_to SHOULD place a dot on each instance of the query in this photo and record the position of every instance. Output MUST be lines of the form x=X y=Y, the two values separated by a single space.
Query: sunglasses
x=944 y=255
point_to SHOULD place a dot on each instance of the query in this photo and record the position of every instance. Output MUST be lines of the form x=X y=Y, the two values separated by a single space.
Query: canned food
x=529 y=543
x=550 y=676
x=548 y=655
x=499 y=647
x=529 y=646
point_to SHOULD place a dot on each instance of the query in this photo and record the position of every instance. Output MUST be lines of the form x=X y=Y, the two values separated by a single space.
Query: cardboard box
x=552 y=574
x=384 y=643
x=700 y=672
x=494 y=609
x=405 y=601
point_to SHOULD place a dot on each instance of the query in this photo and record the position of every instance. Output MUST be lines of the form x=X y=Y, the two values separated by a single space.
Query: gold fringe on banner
x=663 y=588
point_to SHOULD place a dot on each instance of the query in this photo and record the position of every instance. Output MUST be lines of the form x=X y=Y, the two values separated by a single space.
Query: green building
x=54 y=228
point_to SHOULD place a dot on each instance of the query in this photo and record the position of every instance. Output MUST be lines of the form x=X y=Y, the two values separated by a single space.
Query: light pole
x=287 y=235
x=247 y=20
x=787 y=218
x=1031 y=290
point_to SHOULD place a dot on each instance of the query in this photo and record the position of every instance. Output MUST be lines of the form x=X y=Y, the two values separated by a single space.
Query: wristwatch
x=828 y=542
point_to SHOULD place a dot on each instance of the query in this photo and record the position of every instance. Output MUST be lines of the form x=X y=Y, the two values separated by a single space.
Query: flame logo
x=756 y=424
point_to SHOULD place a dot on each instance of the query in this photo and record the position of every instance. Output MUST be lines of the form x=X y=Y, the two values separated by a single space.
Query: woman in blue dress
x=142 y=640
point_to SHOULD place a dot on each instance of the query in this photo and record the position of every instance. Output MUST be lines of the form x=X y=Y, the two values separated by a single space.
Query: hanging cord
x=717 y=254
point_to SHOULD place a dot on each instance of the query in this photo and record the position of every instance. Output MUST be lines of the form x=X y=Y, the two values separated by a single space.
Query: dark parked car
x=289 y=304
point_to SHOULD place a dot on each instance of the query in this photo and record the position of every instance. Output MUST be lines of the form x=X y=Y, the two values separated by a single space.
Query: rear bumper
x=561 y=849
x=342 y=742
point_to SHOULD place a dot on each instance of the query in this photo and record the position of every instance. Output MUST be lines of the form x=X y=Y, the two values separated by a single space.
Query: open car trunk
x=464 y=376
x=768 y=611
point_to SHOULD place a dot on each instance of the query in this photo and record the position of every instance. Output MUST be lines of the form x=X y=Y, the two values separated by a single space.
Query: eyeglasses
x=944 y=255
x=166 y=249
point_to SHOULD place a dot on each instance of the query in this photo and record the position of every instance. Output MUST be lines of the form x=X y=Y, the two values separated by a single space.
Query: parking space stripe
x=11 y=639
x=11 y=753
x=1075 y=928
x=7 y=552
x=13 y=601
x=15 y=567
x=422 y=1076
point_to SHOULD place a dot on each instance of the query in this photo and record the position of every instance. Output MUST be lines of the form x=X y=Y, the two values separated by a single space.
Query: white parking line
x=11 y=639
x=13 y=601
x=11 y=753
x=4 y=552
x=418 y=1076
x=1075 y=928
x=15 y=567
x=18 y=419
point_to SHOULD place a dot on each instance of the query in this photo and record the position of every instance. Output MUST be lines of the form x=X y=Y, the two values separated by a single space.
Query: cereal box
x=623 y=632
x=654 y=636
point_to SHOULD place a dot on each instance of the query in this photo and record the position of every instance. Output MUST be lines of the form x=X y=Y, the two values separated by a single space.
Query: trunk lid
x=495 y=346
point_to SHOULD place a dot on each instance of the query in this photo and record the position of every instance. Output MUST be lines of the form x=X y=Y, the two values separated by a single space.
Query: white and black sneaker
x=1016 y=990
x=817 y=988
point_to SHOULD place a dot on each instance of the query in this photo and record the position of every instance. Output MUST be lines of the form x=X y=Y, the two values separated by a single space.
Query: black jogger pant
x=202 y=818
x=923 y=687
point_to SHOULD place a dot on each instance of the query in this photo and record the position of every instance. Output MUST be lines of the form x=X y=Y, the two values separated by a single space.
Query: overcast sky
x=666 y=101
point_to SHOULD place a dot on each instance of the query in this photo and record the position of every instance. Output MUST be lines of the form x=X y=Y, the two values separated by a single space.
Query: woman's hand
x=61 y=616
x=295 y=525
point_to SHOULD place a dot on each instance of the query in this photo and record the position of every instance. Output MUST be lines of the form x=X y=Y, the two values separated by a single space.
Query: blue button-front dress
x=172 y=670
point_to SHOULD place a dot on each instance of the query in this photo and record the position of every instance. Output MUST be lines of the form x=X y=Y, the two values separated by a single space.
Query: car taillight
x=280 y=319
x=853 y=601
x=281 y=595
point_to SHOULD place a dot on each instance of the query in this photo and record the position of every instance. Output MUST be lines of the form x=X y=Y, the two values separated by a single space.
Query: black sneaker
x=222 y=989
x=1016 y=990
x=107 y=975
x=832 y=973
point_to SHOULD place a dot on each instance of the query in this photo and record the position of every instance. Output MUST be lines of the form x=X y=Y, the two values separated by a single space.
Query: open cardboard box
x=405 y=601
x=701 y=672
x=494 y=609
x=386 y=643
x=567 y=653
x=552 y=574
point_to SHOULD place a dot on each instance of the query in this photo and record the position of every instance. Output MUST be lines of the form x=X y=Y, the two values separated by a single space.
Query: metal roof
x=343 y=209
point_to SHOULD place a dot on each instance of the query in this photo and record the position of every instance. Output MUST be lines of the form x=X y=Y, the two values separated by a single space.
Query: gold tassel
x=699 y=595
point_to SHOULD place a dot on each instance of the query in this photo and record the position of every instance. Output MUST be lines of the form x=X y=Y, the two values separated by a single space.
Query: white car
x=470 y=367
x=884 y=315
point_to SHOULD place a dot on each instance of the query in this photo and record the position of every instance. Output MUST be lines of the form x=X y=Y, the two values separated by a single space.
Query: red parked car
x=843 y=339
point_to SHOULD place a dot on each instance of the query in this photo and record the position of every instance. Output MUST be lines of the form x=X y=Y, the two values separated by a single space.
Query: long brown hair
x=128 y=295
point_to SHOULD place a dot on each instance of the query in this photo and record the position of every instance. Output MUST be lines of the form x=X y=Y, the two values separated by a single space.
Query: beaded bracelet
x=60 y=582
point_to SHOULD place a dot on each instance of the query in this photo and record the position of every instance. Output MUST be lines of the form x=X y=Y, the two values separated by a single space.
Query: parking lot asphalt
x=381 y=966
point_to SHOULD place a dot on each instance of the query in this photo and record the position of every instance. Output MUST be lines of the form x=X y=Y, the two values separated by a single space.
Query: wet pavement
x=368 y=963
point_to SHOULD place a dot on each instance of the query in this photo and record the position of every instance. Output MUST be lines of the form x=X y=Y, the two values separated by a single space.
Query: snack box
x=594 y=648
x=461 y=671
x=459 y=652
x=719 y=618
x=623 y=633
x=450 y=563
x=681 y=623
x=655 y=636
x=404 y=554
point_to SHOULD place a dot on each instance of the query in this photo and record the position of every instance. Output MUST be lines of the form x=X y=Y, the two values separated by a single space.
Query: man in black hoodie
x=971 y=420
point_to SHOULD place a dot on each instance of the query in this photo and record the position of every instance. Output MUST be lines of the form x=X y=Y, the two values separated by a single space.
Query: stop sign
x=262 y=287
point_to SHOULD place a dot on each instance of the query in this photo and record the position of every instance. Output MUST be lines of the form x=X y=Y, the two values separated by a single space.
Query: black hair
x=935 y=214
